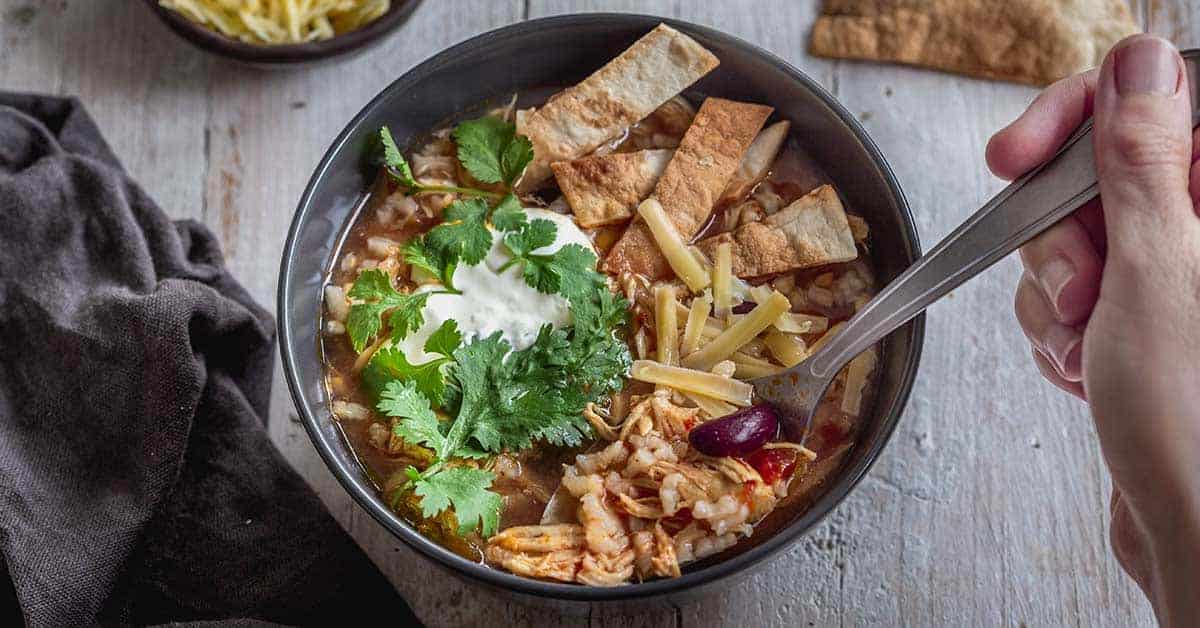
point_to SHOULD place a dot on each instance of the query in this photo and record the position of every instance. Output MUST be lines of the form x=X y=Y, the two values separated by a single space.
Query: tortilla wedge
x=812 y=231
x=605 y=189
x=699 y=172
x=578 y=119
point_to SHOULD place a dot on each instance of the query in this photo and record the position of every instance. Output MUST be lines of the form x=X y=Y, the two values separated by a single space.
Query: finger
x=1194 y=181
x=1050 y=119
x=1064 y=263
x=1143 y=140
x=1050 y=372
x=1091 y=216
x=1063 y=345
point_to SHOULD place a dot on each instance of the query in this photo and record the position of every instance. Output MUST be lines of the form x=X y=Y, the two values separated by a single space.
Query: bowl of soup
x=527 y=287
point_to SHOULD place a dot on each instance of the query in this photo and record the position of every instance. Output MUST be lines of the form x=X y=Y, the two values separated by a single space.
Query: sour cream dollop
x=493 y=302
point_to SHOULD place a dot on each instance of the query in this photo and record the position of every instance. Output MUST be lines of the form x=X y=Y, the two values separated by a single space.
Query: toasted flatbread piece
x=701 y=168
x=810 y=232
x=605 y=189
x=1026 y=41
x=756 y=163
x=576 y=120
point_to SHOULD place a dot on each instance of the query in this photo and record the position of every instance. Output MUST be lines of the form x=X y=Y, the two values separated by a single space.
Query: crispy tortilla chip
x=1026 y=41
x=756 y=163
x=702 y=167
x=605 y=189
x=810 y=232
x=578 y=119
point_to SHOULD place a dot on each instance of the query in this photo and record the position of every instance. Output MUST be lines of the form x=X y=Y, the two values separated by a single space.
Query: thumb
x=1143 y=141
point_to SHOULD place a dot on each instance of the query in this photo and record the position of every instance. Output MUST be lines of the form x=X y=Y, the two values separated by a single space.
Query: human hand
x=1110 y=300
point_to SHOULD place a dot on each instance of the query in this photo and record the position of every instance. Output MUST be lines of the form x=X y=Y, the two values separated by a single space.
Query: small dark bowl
x=287 y=55
x=493 y=65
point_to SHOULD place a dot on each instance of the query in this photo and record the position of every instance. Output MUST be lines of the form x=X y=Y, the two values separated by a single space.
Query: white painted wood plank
x=151 y=113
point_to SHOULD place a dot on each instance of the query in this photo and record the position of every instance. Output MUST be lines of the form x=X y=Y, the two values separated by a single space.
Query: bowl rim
x=284 y=54
x=502 y=580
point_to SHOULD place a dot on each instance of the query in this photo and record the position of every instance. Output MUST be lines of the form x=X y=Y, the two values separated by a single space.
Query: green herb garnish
x=488 y=148
x=379 y=299
x=478 y=399
x=390 y=363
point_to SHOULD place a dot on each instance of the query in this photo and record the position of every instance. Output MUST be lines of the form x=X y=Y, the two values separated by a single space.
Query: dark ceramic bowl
x=492 y=66
x=287 y=55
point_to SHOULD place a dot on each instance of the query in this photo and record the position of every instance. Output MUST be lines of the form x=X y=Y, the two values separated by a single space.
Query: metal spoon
x=1021 y=211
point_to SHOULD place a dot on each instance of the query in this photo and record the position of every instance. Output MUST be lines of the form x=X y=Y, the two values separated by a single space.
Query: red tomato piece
x=772 y=464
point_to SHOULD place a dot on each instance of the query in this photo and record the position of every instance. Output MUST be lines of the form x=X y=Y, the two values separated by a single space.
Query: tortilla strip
x=605 y=189
x=578 y=119
x=1026 y=41
x=810 y=232
x=756 y=163
x=705 y=161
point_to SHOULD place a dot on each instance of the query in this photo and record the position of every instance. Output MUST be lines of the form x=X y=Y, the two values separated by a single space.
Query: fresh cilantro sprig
x=509 y=399
x=489 y=149
x=377 y=300
x=390 y=363
x=480 y=398
x=570 y=271
x=441 y=486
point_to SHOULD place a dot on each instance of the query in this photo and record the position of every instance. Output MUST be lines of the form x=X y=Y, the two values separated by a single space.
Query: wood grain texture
x=990 y=505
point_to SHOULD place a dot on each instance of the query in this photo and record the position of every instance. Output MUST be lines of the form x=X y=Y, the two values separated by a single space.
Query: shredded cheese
x=759 y=319
x=722 y=280
x=690 y=380
x=666 y=325
x=789 y=349
x=674 y=249
x=270 y=22
x=697 y=318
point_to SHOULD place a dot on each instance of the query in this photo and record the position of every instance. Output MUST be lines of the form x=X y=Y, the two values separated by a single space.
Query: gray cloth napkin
x=137 y=482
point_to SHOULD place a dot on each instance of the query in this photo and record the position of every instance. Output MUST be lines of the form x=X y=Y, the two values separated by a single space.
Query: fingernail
x=1053 y=276
x=1065 y=347
x=1147 y=65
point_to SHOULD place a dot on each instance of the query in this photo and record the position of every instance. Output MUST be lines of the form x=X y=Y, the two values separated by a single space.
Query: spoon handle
x=1019 y=212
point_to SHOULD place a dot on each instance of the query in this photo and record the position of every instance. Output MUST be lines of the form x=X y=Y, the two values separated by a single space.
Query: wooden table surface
x=988 y=508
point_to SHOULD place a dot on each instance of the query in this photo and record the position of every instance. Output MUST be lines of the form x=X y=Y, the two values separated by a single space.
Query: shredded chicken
x=647 y=504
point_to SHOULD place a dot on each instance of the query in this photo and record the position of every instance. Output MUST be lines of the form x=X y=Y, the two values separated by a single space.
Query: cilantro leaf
x=445 y=339
x=466 y=490
x=491 y=151
x=477 y=367
x=464 y=234
x=531 y=237
x=371 y=284
x=374 y=288
x=420 y=254
x=408 y=315
x=509 y=215
x=541 y=277
x=397 y=166
x=417 y=422
x=416 y=253
x=516 y=157
x=576 y=270
x=389 y=364
x=363 y=324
